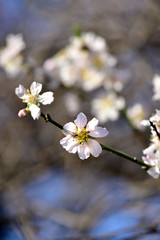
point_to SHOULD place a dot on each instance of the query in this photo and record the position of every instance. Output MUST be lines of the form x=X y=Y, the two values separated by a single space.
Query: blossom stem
x=48 y=118
x=126 y=156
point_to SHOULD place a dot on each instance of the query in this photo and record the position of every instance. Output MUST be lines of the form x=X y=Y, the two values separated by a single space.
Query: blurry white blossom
x=80 y=137
x=156 y=87
x=33 y=99
x=107 y=107
x=10 y=56
x=115 y=79
x=152 y=153
x=72 y=103
x=136 y=114
x=84 y=62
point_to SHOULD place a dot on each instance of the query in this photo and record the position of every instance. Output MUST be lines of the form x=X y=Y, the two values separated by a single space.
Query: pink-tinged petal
x=92 y=124
x=35 y=111
x=70 y=144
x=23 y=112
x=81 y=121
x=99 y=132
x=20 y=91
x=69 y=128
x=46 y=98
x=83 y=151
x=64 y=141
x=94 y=148
x=35 y=88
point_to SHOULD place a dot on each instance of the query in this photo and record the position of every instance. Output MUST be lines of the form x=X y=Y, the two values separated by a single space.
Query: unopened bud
x=23 y=112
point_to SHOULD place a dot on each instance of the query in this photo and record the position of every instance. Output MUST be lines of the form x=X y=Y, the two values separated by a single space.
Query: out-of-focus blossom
x=33 y=99
x=152 y=153
x=115 y=79
x=107 y=107
x=80 y=137
x=84 y=62
x=156 y=87
x=72 y=103
x=136 y=114
x=10 y=56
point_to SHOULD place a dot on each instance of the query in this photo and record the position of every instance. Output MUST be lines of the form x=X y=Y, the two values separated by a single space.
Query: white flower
x=10 y=58
x=136 y=114
x=33 y=98
x=80 y=137
x=72 y=103
x=84 y=62
x=91 y=79
x=156 y=87
x=152 y=153
x=107 y=108
x=152 y=157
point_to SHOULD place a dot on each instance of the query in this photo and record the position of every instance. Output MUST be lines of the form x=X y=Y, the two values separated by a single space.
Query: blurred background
x=45 y=192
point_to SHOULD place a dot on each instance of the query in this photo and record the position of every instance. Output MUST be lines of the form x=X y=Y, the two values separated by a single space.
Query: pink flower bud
x=22 y=112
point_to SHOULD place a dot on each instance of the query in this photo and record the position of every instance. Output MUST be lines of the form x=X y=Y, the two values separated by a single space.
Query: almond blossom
x=156 y=87
x=80 y=137
x=10 y=56
x=84 y=62
x=135 y=115
x=33 y=99
x=107 y=107
x=152 y=153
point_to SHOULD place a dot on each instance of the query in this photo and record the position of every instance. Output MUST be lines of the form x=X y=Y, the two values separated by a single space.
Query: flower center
x=82 y=136
x=30 y=98
x=106 y=103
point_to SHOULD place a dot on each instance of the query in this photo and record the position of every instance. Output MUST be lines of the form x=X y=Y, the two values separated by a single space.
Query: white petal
x=70 y=144
x=99 y=132
x=20 y=91
x=153 y=172
x=35 y=88
x=46 y=98
x=83 y=151
x=145 y=123
x=35 y=111
x=69 y=128
x=94 y=148
x=81 y=121
x=92 y=124
x=64 y=141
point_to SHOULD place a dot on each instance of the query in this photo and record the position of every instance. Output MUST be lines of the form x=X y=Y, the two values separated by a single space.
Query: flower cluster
x=83 y=62
x=135 y=115
x=80 y=137
x=152 y=153
x=33 y=99
x=86 y=64
x=11 y=59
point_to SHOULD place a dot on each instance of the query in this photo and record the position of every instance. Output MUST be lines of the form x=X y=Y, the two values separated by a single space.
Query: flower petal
x=35 y=111
x=92 y=124
x=99 y=132
x=35 y=88
x=70 y=144
x=46 y=98
x=154 y=172
x=81 y=121
x=20 y=91
x=83 y=151
x=69 y=128
x=94 y=148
